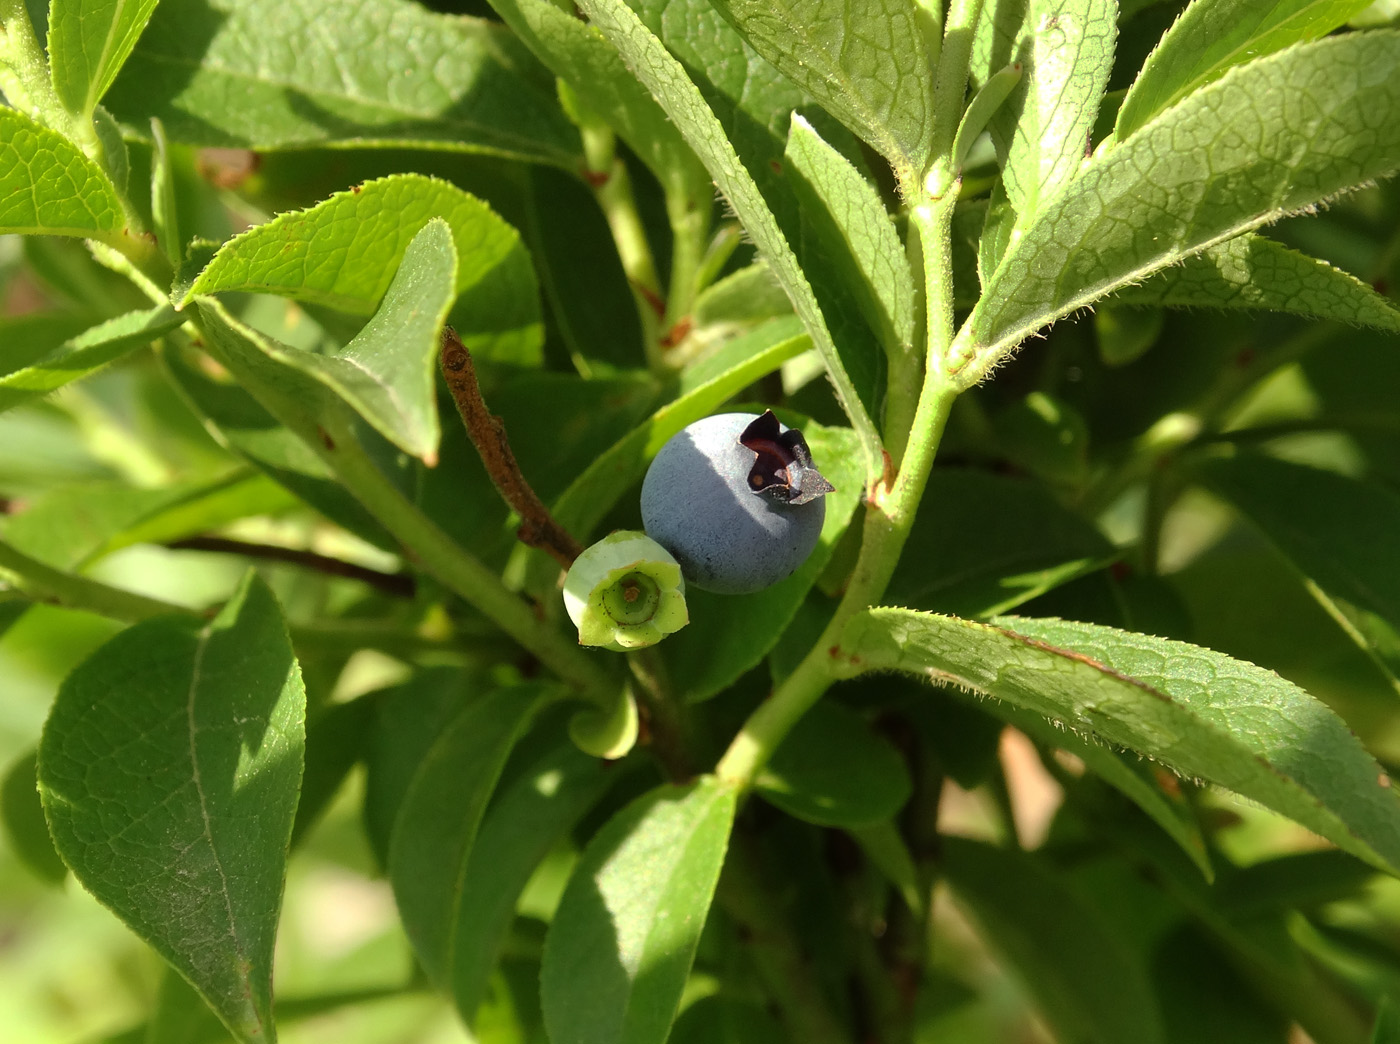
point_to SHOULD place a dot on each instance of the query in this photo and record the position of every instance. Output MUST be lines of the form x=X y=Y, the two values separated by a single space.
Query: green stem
x=436 y=552
x=612 y=188
x=888 y=518
x=948 y=92
x=44 y=583
x=424 y=543
x=690 y=232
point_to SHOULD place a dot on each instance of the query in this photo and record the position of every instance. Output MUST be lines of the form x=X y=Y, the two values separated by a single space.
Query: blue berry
x=737 y=500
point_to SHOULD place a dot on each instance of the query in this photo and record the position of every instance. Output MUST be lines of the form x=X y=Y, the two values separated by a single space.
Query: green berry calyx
x=625 y=592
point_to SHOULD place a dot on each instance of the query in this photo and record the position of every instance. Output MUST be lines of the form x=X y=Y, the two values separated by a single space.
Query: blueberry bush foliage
x=332 y=330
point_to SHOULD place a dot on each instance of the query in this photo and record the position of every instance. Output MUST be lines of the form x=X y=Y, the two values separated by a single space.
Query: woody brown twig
x=488 y=434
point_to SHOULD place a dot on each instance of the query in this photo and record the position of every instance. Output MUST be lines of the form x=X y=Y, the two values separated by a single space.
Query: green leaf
x=180 y=1016
x=1042 y=131
x=436 y=828
x=387 y=372
x=524 y=822
x=847 y=210
x=1198 y=712
x=578 y=55
x=1127 y=773
x=749 y=295
x=983 y=544
x=621 y=944
x=590 y=301
x=1253 y=272
x=1085 y=978
x=49 y=188
x=999 y=31
x=738 y=364
x=23 y=816
x=1227 y=159
x=865 y=61
x=69 y=526
x=666 y=78
x=1298 y=880
x=169 y=770
x=1387 y=1029
x=833 y=770
x=283 y=74
x=1341 y=534
x=344 y=252
x=89 y=40
x=1211 y=37
x=336 y=740
x=728 y=634
x=165 y=211
x=238 y=421
x=81 y=355
x=408 y=719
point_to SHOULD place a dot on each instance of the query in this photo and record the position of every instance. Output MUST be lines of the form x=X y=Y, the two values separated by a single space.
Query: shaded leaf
x=1128 y=773
x=23 y=816
x=524 y=822
x=1298 y=880
x=408 y=719
x=621 y=944
x=280 y=74
x=1084 y=977
x=88 y=42
x=1209 y=38
x=666 y=78
x=1341 y=534
x=730 y=634
x=1387 y=1028
x=858 y=231
x=49 y=188
x=983 y=544
x=435 y=829
x=833 y=770
x=345 y=251
x=1198 y=712
x=1271 y=137
x=865 y=61
x=1253 y=272
x=169 y=770
x=81 y=355
x=336 y=740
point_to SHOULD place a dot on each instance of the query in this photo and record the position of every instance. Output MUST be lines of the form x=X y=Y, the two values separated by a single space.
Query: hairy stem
x=690 y=232
x=538 y=527
x=612 y=187
x=888 y=518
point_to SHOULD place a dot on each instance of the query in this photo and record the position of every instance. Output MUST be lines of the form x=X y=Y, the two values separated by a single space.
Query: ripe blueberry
x=737 y=500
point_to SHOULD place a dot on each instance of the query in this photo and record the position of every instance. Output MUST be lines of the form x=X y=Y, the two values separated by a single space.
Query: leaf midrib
x=202 y=642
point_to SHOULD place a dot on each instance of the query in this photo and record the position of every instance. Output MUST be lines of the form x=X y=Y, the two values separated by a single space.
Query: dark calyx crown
x=783 y=470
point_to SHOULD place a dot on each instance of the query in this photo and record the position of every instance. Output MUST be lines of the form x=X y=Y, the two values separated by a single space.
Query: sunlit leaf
x=169 y=769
